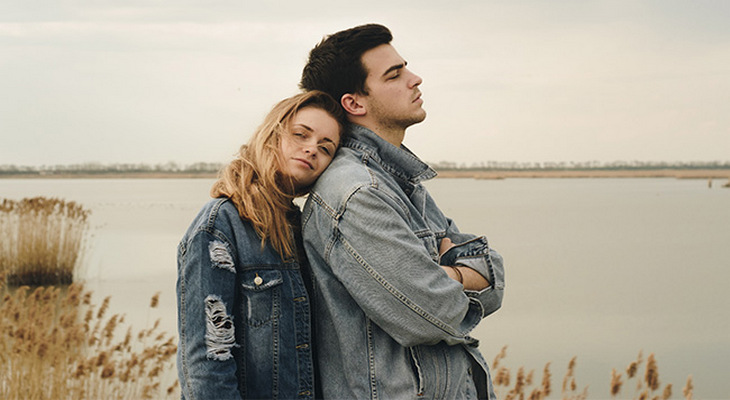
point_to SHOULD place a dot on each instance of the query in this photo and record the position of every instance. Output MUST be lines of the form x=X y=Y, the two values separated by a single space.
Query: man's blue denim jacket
x=243 y=313
x=389 y=322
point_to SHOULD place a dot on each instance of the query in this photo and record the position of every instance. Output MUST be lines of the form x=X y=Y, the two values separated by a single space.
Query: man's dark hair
x=335 y=64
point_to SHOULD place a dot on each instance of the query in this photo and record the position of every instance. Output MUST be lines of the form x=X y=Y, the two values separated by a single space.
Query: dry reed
x=648 y=386
x=688 y=389
x=55 y=344
x=42 y=240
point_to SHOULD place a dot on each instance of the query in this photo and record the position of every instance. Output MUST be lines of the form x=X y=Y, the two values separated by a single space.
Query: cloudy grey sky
x=187 y=81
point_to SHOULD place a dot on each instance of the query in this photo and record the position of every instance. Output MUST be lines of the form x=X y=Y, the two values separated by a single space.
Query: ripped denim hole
x=220 y=256
x=219 y=330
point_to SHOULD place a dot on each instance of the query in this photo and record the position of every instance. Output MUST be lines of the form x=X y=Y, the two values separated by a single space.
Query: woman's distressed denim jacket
x=389 y=322
x=243 y=313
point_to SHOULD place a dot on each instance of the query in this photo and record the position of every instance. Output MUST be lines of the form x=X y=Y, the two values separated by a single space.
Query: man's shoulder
x=346 y=173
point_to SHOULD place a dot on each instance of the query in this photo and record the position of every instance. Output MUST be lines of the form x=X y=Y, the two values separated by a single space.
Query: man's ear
x=353 y=104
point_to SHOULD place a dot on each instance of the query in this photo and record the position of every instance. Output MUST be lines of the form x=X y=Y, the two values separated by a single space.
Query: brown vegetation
x=42 y=240
x=54 y=344
x=647 y=388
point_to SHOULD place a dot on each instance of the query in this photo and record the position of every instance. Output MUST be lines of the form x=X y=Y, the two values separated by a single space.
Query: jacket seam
x=371 y=360
x=397 y=294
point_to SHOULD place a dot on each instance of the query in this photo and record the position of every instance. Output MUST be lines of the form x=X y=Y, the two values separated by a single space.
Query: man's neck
x=393 y=135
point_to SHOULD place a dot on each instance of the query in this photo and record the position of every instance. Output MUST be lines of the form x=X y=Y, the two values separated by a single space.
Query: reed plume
x=42 y=240
x=546 y=380
x=615 y=383
x=518 y=390
x=688 y=389
x=568 y=374
x=155 y=300
x=647 y=385
x=55 y=344
x=528 y=378
x=502 y=354
x=651 y=377
x=634 y=366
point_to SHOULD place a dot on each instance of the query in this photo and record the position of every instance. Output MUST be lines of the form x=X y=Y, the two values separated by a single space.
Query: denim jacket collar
x=400 y=162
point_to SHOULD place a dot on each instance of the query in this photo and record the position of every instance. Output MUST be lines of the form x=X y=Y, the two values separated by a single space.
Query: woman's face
x=308 y=146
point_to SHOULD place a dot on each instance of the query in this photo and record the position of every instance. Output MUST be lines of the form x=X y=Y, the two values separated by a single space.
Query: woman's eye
x=326 y=150
x=299 y=136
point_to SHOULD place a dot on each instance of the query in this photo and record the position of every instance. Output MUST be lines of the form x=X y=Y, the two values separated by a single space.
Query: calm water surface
x=596 y=268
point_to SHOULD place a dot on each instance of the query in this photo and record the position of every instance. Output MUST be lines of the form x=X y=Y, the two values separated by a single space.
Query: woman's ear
x=353 y=104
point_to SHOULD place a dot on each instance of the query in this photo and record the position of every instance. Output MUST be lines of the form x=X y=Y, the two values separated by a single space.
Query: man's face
x=393 y=100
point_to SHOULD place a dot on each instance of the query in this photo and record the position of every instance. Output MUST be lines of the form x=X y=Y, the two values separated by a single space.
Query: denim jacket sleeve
x=206 y=295
x=475 y=253
x=387 y=270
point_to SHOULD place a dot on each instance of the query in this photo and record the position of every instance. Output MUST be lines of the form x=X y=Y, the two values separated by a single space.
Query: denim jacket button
x=257 y=280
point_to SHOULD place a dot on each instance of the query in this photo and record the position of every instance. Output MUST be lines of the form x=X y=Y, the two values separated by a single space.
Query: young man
x=397 y=287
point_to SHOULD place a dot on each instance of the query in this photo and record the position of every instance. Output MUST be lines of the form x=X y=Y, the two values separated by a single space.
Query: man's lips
x=303 y=161
x=418 y=97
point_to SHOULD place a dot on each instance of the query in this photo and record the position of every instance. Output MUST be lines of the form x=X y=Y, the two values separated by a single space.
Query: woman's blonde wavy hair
x=254 y=182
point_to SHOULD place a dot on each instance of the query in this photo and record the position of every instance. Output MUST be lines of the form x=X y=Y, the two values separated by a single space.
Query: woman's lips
x=304 y=162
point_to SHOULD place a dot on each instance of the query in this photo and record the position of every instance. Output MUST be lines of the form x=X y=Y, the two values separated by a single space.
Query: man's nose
x=415 y=80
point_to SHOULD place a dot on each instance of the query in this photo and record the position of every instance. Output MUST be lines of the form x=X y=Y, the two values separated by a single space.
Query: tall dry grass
x=41 y=240
x=56 y=344
x=524 y=385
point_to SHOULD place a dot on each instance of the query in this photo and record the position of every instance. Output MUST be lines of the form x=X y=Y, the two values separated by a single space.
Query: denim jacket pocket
x=262 y=295
x=416 y=363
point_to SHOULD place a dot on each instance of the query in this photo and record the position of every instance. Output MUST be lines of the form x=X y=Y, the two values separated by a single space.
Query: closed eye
x=394 y=71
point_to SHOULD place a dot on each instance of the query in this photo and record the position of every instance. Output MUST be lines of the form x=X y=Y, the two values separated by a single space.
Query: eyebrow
x=312 y=130
x=305 y=127
x=395 y=67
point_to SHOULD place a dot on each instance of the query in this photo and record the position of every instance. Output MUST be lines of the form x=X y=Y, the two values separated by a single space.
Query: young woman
x=243 y=308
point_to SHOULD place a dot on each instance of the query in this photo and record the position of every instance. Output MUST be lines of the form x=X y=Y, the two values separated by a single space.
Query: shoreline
x=115 y=175
x=639 y=173
x=708 y=174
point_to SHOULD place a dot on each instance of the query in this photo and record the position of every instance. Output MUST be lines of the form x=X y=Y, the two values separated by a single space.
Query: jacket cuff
x=477 y=255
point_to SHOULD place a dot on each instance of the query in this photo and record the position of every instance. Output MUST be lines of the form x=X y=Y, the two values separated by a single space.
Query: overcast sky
x=188 y=81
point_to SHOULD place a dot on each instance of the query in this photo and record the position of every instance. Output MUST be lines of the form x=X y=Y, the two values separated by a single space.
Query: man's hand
x=445 y=245
x=471 y=279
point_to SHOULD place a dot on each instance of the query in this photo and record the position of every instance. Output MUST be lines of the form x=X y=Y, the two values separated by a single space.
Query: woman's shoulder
x=219 y=222
x=215 y=210
x=218 y=217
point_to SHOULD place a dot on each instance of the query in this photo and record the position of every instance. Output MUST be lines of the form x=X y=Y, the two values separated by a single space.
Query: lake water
x=596 y=268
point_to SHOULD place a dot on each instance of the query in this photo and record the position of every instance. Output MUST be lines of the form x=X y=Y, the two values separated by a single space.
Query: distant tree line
x=206 y=168
x=98 y=168
x=579 y=165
